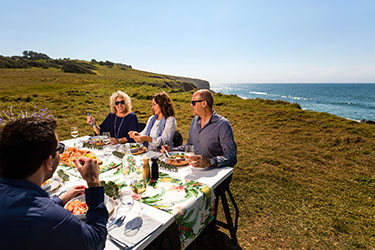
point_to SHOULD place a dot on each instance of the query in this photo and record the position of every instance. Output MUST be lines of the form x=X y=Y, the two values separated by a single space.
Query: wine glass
x=189 y=152
x=138 y=187
x=189 y=155
x=107 y=152
x=74 y=133
x=106 y=137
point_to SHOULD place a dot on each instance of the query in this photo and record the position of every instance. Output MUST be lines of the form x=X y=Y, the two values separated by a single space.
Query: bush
x=73 y=67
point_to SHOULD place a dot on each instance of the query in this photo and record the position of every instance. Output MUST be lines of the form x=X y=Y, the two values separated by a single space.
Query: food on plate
x=177 y=156
x=140 y=151
x=177 y=162
x=121 y=154
x=46 y=182
x=77 y=207
x=95 y=142
x=135 y=146
x=62 y=175
x=118 y=154
x=73 y=153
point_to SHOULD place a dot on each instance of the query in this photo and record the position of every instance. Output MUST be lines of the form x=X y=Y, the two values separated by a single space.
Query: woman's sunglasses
x=120 y=102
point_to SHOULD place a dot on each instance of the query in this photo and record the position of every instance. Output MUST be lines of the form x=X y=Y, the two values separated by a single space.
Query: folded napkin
x=134 y=230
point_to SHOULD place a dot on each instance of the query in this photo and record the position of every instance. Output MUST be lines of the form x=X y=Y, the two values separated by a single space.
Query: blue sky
x=220 y=41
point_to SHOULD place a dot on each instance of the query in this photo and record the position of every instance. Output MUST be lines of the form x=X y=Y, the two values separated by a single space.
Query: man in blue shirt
x=210 y=134
x=29 y=218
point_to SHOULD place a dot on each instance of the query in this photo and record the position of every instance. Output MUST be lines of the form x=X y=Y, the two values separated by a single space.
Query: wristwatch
x=213 y=162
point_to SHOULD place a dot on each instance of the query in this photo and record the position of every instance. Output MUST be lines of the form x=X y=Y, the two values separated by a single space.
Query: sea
x=354 y=101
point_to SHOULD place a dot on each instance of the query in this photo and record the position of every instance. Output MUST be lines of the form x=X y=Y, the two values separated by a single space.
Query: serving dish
x=108 y=201
x=135 y=147
x=176 y=158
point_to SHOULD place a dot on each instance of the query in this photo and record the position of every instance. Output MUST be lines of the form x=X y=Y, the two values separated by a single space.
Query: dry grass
x=304 y=180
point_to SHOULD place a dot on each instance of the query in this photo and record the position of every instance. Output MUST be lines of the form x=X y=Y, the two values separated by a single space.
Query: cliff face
x=200 y=84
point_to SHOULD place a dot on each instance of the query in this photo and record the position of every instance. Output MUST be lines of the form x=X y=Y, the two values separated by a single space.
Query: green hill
x=304 y=180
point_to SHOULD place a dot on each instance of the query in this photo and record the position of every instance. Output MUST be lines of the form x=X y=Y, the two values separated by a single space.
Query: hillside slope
x=304 y=180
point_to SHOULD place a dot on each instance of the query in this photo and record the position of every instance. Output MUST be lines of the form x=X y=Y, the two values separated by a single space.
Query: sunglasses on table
x=194 y=102
x=61 y=148
x=120 y=102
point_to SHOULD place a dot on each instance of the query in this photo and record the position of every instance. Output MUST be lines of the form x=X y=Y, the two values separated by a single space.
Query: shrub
x=73 y=67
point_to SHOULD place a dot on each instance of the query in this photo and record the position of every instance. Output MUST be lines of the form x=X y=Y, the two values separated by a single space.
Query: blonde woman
x=119 y=121
x=161 y=126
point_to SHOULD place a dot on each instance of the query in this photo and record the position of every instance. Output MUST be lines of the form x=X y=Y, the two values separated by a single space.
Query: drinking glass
x=138 y=187
x=106 y=137
x=74 y=133
x=126 y=199
x=107 y=152
x=189 y=152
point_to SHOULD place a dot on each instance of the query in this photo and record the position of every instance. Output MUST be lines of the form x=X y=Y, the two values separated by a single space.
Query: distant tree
x=109 y=64
x=35 y=55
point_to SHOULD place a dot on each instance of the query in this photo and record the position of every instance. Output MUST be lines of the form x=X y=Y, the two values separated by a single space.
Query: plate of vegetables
x=134 y=147
x=176 y=155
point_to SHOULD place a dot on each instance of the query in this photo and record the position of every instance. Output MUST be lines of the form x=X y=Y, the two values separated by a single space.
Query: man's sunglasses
x=194 y=102
x=61 y=148
x=120 y=102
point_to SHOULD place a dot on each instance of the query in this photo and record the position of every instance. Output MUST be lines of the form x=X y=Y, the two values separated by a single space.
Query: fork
x=166 y=152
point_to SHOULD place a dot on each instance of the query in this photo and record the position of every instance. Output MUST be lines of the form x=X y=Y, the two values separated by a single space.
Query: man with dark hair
x=29 y=218
x=210 y=134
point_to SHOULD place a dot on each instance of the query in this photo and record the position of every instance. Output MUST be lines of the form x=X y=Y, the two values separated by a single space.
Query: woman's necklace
x=117 y=132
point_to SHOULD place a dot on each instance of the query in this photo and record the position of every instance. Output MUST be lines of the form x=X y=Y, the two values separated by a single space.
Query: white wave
x=289 y=97
x=296 y=98
x=243 y=97
x=258 y=93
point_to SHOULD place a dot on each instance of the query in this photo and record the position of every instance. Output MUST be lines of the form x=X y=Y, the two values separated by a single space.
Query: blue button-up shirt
x=30 y=219
x=214 y=140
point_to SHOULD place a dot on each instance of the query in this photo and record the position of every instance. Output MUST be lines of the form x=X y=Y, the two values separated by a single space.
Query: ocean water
x=351 y=101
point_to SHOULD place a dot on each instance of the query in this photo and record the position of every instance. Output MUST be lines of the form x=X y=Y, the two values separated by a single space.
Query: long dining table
x=180 y=202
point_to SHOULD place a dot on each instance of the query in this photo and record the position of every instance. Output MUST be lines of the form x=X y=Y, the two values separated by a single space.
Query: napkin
x=134 y=230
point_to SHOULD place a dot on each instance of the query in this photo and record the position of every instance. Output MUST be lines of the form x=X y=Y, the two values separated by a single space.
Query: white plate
x=108 y=201
x=99 y=137
x=172 y=153
x=134 y=150
x=52 y=185
x=201 y=169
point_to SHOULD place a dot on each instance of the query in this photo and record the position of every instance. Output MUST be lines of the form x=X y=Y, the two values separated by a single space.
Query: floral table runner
x=191 y=202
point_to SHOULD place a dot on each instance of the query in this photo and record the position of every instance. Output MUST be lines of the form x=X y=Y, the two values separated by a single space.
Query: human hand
x=139 y=138
x=197 y=161
x=90 y=120
x=114 y=141
x=165 y=148
x=89 y=170
x=133 y=133
x=72 y=193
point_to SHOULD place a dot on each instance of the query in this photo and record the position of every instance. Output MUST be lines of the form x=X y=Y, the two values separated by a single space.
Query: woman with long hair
x=161 y=126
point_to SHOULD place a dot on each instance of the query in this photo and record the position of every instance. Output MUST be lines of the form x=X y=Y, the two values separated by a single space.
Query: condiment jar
x=146 y=168
x=155 y=168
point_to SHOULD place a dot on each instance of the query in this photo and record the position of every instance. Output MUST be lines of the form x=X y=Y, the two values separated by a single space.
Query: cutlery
x=116 y=222
x=166 y=152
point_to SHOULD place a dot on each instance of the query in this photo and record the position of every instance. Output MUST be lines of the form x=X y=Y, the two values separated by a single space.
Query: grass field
x=304 y=180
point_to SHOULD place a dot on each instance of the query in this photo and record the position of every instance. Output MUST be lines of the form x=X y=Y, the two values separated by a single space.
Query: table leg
x=220 y=193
